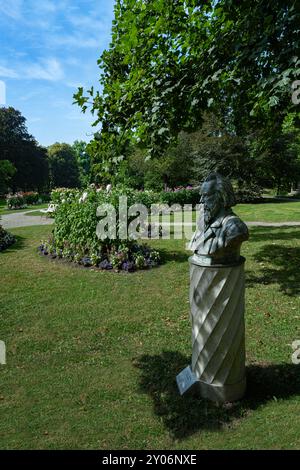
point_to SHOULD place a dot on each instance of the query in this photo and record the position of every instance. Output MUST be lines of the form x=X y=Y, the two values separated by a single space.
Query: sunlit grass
x=92 y=356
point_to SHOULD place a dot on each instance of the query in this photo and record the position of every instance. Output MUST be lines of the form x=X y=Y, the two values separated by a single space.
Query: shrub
x=249 y=194
x=15 y=201
x=60 y=195
x=22 y=199
x=6 y=239
x=31 y=197
x=180 y=196
x=75 y=237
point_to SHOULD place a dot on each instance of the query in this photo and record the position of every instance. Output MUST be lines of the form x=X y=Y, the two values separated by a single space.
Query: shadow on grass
x=186 y=415
x=173 y=255
x=285 y=261
x=18 y=245
x=278 y=200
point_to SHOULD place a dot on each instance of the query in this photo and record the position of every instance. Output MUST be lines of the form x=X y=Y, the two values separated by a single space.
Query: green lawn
x=269 y=212
x=92 y=356
x=36 y=213
x=263 y=212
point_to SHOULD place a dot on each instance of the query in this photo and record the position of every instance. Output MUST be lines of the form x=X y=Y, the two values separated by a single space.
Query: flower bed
x=127 y=258
x=75 y=232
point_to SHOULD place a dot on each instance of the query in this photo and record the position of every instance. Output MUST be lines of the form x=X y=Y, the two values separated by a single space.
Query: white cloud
x=74 y=40
x=88 y=23
x=6 y=72
x=49 y=69
x=13 y=8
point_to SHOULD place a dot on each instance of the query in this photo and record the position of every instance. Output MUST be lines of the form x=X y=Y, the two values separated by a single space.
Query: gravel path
x=21 y=220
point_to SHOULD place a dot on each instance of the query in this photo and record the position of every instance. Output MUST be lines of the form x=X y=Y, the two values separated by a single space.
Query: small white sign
x=185 y=379
x=2 y=353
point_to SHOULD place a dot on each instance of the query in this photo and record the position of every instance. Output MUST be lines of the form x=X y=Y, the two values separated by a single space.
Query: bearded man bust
x=220 y=232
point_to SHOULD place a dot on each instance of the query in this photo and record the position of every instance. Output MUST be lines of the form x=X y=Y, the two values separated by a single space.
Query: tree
x=7 y=170
x=277 y=157
x=175 y=168
x=22 y=150
x=83 y=160
x=171 y=61
x=63 y=167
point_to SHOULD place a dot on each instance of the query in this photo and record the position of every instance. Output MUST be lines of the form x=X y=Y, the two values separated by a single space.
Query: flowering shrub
x=15 y=201
x=6 y=239
x=60 y=195
x=75 y=236
x=31 y=197
x=21 y=199
x=188 y=195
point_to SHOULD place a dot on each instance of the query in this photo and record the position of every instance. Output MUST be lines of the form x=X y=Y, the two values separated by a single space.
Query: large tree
x=63 y=166
x=171 y=60
x=21 y=149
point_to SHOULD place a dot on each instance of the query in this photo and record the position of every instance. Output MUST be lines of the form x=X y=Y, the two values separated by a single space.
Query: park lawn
x=92 y=356
x=269 y=211
x=36 y=207
x=262 y=212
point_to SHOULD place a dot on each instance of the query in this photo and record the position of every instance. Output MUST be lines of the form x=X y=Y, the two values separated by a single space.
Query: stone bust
x=220 y=232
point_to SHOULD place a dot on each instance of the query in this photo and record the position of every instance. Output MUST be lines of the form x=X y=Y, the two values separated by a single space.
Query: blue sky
x=47 y=49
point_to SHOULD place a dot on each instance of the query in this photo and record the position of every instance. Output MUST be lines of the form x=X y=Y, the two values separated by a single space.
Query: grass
x=270 y=212
x=262 y=212
x=92 y=356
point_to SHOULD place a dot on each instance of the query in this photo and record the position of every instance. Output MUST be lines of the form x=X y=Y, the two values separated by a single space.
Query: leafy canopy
x=170 y=61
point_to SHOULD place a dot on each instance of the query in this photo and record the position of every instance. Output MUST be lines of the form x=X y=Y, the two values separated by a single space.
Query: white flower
x=108 y=187
x=83 y=197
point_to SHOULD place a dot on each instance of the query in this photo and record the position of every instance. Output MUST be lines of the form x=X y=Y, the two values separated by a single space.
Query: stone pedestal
x=218 y=329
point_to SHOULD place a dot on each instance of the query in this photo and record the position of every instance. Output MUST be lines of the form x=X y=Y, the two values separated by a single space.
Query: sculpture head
x=216 y=195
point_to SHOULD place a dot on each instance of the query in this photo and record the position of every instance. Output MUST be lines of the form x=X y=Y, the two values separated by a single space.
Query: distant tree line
x=272 y=162
x=25 y=165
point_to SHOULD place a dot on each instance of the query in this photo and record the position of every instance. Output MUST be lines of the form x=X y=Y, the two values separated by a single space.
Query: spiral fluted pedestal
x=218 y=330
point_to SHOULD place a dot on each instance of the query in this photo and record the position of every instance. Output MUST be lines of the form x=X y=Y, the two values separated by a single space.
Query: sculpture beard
x=211 y=210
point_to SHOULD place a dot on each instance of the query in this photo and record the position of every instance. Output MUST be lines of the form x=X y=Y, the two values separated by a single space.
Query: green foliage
x=182 y=196
x=83 y=160
x=277 y=156
x=15 y=201
x=6 y=239
x=21 y=199
x=169 y=62
x=7 y=171
x=63 y=166
x=75 y=232
x=21 y=149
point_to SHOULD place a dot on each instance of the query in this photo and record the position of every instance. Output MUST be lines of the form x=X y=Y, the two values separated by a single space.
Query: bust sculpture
x=220 y=232
x=217 y=297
